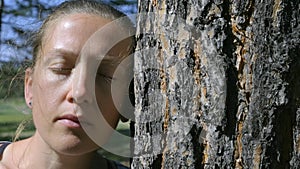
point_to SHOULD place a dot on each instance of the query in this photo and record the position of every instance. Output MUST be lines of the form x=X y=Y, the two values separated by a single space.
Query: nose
x=82 y=86
x=82 y=93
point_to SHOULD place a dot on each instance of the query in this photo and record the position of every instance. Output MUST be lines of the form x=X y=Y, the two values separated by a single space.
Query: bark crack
x=241 y=22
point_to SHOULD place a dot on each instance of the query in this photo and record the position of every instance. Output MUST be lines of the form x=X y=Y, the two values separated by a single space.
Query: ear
x=28 y=86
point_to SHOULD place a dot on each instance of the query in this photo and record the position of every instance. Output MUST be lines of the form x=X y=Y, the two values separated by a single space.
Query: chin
x=72 y=145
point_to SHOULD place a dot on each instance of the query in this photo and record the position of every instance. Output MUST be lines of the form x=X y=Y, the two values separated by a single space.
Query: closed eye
x=63 y=71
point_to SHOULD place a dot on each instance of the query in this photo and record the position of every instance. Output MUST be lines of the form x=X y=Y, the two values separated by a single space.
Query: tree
x=1 y=9
x=19 y=19
x=217 y=84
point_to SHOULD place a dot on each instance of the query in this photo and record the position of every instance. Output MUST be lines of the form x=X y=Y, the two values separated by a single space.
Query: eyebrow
x=61 y=53
x=64 y=52
x=70 y=55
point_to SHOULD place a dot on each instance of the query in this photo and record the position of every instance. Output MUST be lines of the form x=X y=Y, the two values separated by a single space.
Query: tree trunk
x=1 y=12
x=217 y=84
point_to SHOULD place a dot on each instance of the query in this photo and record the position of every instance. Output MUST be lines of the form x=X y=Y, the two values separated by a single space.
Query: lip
x=69 y=120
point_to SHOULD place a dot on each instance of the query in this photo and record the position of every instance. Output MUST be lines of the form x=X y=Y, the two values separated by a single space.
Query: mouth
x=69 y=120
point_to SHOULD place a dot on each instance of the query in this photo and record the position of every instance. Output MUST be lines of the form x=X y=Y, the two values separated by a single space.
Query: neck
x=38 y=154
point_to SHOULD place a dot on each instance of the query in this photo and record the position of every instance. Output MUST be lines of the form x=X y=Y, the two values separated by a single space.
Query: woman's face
x=68 y=87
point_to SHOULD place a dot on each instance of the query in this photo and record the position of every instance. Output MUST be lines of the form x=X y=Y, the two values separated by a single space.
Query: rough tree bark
x=217 y=84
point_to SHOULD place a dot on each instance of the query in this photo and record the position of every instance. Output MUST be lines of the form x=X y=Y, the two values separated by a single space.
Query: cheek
x=47 y=98
x=43 y=103
x=49 y=87
x=106 y=105
x=45 y=94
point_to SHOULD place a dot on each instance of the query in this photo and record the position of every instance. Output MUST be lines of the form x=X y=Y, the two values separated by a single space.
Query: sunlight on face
x=71 y=83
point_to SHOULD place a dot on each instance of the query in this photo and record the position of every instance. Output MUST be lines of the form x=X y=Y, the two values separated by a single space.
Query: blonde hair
x=21 y=128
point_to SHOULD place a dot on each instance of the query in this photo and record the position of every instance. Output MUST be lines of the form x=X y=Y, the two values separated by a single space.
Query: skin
x=53 y=94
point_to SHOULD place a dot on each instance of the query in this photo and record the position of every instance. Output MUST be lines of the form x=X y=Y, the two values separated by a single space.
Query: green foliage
x=21 y=18
x=11 y=115
x=11 y=79
x=13 y=106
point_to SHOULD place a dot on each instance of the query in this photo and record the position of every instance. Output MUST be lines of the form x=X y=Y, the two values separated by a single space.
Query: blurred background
x=18 y=20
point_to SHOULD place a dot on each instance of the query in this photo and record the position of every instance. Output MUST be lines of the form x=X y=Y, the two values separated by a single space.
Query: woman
x=68 y=84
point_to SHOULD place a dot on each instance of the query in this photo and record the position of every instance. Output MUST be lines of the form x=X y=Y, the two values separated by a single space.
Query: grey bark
x=217 y=84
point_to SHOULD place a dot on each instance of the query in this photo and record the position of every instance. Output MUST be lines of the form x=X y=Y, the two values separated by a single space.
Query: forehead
x=72 y=30
x=83 y=33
